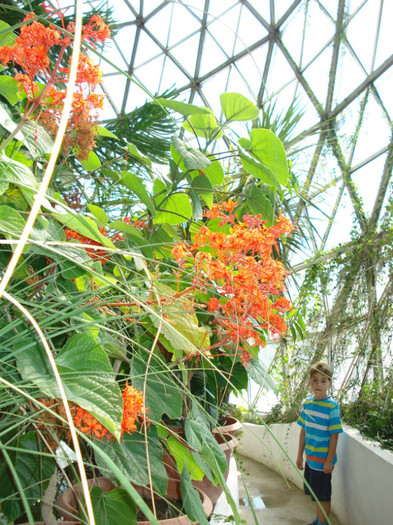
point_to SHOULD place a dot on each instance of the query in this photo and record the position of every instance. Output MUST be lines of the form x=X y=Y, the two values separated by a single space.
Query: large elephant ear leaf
x=86 y=373
x=238 y=107
x=269 y=150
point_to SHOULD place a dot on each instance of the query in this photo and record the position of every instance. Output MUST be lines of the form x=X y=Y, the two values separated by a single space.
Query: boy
x=321 y=425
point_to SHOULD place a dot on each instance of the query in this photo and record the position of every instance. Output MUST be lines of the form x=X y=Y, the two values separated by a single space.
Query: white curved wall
x=362 y=478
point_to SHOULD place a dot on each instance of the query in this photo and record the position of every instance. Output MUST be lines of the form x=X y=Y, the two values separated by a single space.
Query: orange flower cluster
x=246 y=281
x=30 y=52
x=96 y=255
x=133 y=408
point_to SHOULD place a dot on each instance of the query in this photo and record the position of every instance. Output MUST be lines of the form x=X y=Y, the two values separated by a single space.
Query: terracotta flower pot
x=228 y=425
x=174 y=494
x=227 y=443
x=66 y=504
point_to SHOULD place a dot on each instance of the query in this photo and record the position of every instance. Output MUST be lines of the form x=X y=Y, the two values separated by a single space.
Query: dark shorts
x=320 y=483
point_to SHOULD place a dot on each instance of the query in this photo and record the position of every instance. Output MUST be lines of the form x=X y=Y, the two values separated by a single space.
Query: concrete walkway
x=275 y=501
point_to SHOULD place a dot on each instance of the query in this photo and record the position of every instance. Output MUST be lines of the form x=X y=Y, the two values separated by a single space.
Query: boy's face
x=319 y=385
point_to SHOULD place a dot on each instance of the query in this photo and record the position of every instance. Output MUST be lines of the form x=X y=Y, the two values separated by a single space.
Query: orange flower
x=88 y=424
x=133 y=408
x=30 y=52
x=229 y=205
x=239 y=265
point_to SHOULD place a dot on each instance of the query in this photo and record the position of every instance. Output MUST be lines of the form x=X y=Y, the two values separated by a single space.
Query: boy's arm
x=328 y=465
x=302 y=442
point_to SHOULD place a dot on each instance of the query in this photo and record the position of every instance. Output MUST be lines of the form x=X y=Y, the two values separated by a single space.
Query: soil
x=164 y=510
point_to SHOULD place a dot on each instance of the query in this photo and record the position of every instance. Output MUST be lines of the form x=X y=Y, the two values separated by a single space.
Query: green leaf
x=99 y=214
x=129 y=454
x=92 y=162
x=183 y=456
x=114 y=507
x=269 y=150
x=174 y=210
x=259 y=373
x=37 y=139
x=83 y=225
x=11 y=222
x=137 y=186
x=87 y=375
x=237 y=107
x=193 y=158
x=137 y=155
x=9 y=89
x=8 y=38
x=260 y=171
x=191 y=500
x=215 y=173
x=181 y=327
x=17 y=173
x=181 y=107
x=103 y=132
x=200 y=438
x=258 y=202
x=203 y=187
x=203 y=125
x=162 y=390
x=7 y=122
x=33 y=470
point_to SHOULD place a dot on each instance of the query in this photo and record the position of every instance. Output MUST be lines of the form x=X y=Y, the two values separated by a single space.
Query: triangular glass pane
x=183 y=24
x=219 y=9
x=248 y=68
x=112 y=55
x=316 y=35
x=340 y=232
x=330 y=7
x=149 y=6
x=160 y=24
x=262 y=8
x=374 y=134
x=186 y=53
x=367 y=180
x=223 y=30
x=172 y=76
x=125 y=42
x=348 y=77
x=212 y=55
x=384 y=48
x=316 y=75
x=364 y=23
x=280 y=73
x=137 y=95
x=383 y=86
x=250 y=31
x=149 y=74
x=147 y=50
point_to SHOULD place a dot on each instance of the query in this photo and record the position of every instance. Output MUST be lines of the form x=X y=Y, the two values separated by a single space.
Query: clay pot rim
x=233 y=426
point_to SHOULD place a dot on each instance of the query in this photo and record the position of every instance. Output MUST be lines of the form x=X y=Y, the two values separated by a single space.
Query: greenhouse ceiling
x=332 y=58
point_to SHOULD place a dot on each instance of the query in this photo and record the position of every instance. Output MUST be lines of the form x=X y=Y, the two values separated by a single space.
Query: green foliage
x=107 y=298
x=372 y=414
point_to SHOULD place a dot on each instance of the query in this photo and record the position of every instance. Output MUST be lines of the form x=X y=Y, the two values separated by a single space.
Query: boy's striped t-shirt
x=320 y=418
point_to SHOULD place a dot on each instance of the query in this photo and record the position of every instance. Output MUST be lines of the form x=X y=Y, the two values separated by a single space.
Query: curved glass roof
x=331 y=57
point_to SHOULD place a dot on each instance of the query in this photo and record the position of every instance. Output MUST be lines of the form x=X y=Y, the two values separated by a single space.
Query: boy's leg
x=320 y=515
